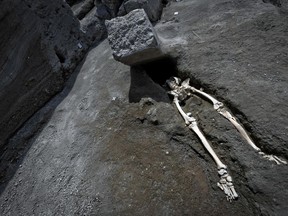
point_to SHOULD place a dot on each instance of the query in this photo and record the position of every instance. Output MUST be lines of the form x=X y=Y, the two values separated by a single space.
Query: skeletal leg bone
x=186 y=117
x=241 y=130
x=225 y=182
x=274 y=158
x=219 y=107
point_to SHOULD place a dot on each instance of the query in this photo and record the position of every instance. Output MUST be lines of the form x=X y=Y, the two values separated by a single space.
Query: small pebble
x=79 y=45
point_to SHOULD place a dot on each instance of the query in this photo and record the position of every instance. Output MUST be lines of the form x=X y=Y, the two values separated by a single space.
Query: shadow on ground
x=18 y=145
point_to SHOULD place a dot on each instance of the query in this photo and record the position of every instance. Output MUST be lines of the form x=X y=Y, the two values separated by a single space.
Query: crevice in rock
x=60 y=55
x=165 y=2
x=82 y=8
x=148 y=80
x=161 y=70
x=73 y=2
x=277 y=3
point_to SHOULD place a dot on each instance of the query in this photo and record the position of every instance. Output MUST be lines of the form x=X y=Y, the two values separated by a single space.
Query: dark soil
x=99 y=148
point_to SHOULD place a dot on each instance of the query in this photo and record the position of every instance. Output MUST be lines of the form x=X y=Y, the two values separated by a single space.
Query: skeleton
x=182 y=91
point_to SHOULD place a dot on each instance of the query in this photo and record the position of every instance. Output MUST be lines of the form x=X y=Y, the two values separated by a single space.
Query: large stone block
x=133 y=39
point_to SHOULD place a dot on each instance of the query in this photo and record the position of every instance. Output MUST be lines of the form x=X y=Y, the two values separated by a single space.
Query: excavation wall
x=41 y=44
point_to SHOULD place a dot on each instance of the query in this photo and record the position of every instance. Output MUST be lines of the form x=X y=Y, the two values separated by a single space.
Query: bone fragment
x=219 y=107
x=225 y=182
x=274 y=158
x=226 y=185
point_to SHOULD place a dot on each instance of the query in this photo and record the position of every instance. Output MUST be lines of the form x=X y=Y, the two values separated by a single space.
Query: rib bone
x=219 y=107
x=225 y=182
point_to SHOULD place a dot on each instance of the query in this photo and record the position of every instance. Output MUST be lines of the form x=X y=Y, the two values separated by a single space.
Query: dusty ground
x=101 y=154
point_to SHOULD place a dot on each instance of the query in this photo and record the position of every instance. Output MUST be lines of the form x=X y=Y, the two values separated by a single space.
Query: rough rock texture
x=39 y=47
x=91 y=18
x=111 y=5
x=91 y=152
x=102 y=12
x=153 y=8
x=132 y=38
x=82 y=8
x=92 y=26
x=281 y=4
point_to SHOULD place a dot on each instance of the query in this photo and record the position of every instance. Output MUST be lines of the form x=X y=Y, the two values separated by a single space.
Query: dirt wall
x=41 y=43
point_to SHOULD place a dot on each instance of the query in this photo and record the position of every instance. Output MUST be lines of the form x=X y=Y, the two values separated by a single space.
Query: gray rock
x=282 y=4
x=121 y=11
x=71 y=2
x=103 y=12
x=132 y=38
x=153 y=8
x=92 y=26
x=39 y=47
x=112 y=5
x=81 y=9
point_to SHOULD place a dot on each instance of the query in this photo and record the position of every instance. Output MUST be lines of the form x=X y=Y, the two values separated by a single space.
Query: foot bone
x=226 y=184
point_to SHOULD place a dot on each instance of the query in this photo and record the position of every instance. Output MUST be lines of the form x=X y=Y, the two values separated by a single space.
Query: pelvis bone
x=182 y=91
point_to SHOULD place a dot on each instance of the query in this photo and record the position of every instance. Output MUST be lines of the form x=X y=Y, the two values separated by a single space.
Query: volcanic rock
x=111 y=5
x=132 y=38
x=40 y=45
x=81 y=9
x=93 y=26
x=153 y=8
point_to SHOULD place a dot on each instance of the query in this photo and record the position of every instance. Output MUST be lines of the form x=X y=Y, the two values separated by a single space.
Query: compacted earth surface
x=112 y=142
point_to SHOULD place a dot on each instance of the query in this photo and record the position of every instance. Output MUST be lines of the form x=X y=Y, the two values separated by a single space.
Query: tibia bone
x=239 y=127
x=193 y=126
x=219 y=107
x=225 y=182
